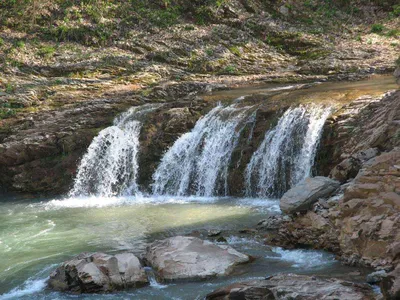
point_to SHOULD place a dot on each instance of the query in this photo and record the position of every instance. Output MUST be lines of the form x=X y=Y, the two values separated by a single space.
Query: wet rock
x=358 y=130
x=390 y=285
x=214 y=232
x=98 y=273
x=314 y=229
x=273 y=222
x=306 y=193
x=221 y=239
x=291 y=286
x=181 y=258
x=376 y=277
x=347 y=169
x=350 y=167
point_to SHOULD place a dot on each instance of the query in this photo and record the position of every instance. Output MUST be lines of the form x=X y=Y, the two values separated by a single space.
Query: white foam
x=303 y=258
x=29 y=287
x=271 y=205
x=99 y=201
x=235 y=240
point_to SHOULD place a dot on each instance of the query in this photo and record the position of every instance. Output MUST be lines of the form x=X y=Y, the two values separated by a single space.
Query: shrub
x=377 y=28
x=20 y=44
x=396 y=10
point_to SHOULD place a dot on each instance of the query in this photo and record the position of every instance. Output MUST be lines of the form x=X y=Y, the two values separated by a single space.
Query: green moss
x=235 y=50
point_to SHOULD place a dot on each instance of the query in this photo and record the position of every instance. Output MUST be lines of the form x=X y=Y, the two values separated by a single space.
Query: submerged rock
x=98 y=273
x=306 y=193
x=291 y=286
x=179 y=258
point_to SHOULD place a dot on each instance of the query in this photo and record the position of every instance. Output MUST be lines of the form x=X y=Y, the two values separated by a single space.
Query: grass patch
x=235 y=50
x=377 y=28
x=46 y=51
x=393 y=33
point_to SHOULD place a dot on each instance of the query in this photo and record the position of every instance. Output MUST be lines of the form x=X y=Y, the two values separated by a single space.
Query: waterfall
x=198 y=161
x=287 y=152
x=110 y=166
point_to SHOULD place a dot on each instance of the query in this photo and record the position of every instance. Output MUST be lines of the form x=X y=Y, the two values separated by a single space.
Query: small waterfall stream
x=287 y=152
x=198 y=161
x=110 y=166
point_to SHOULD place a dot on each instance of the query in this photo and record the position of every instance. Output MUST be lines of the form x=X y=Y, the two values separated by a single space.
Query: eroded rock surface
x=291 y=286
x=369 y=214
x=306 y=193
x=180 y=258
x=98 y=273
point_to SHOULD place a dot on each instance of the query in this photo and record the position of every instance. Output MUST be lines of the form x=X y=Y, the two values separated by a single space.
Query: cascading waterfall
x=110 y=166
x=198 y=161
x=287 y=152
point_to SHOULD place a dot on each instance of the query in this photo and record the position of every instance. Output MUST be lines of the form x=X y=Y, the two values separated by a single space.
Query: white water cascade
x=110 y=166
x=198 y=162
x=287 y=153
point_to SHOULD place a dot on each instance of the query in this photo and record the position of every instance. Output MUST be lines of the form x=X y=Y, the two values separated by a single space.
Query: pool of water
x=37 y=235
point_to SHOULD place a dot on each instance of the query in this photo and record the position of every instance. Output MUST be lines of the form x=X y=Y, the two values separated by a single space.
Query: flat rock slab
x=190 y=258
x=291 y=286
x=306 y=193
x=98 y=273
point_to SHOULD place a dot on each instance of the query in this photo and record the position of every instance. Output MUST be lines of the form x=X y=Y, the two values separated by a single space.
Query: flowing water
x=38 y=235
x=198 y=161
x=106 y=212
x=110 y=165
x=286 y=155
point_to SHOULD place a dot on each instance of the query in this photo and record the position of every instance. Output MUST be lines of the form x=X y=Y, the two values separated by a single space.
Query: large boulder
x=179 y=258
x=291 y=286
x=306 y=193
x=98 y=273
